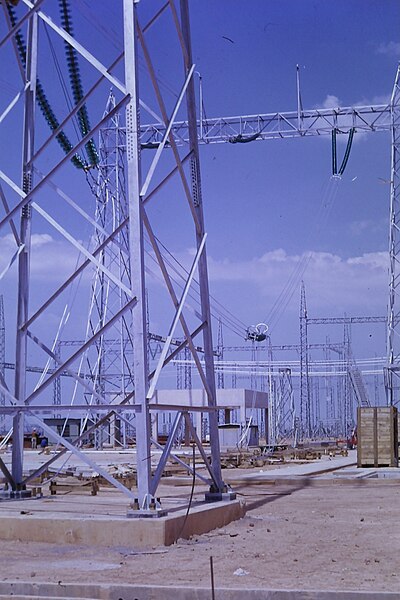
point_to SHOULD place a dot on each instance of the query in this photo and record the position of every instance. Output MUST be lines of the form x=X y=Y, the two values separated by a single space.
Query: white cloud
x=389 y=49
x=368 y=225
x=331 y=101
x=375 y=100
x=51 y=260
x=346 y=121
x=39 y=239
x=356 y=283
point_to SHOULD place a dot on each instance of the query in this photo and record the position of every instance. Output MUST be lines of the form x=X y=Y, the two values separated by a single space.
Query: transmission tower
x=220 y=352
x=393 y=343
x=285 y=410
x=118 y=302
x=305 y=409
x=109 y=362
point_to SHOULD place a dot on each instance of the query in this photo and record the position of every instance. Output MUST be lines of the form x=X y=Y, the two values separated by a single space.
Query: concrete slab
x=293 y=472
x=49 y=591
x=37 y=522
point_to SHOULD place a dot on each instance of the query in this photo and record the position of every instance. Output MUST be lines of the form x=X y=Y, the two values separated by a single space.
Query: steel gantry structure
x=319 y=122
x=22 y=198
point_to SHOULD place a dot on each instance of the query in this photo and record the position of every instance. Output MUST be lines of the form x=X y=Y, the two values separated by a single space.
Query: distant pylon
x=220 y=351
x=110 y=363
x=305 y=408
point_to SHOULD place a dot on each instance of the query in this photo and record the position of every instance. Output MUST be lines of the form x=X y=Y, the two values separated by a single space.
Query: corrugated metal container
x=377 y=437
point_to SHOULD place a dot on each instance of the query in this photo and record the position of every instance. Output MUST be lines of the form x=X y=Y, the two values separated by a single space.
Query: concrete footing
x=15 y=495
x=63 y=528
x=47 y=591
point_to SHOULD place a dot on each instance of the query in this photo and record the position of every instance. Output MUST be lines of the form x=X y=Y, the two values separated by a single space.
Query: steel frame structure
x=278 y=125
x=305 y=123
x=172 y=133
x=392 y=373
x=136 y=402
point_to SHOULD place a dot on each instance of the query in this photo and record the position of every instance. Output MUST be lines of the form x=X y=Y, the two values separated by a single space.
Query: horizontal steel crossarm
x=25 y=198
x=278 y=125
x=107 y=407
x=282 y=347
x=83 y=348
x=30 y=369
x=82 y=456
x=180 y=345
x=345 y=320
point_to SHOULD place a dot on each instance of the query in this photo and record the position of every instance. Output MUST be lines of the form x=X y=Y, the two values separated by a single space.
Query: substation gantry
x=21 y=197
x=318 y=122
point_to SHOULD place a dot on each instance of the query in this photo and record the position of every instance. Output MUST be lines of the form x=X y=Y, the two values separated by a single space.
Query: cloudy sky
x=273 y=214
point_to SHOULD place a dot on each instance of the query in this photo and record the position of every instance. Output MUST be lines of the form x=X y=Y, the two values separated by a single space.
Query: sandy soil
x=334 y=536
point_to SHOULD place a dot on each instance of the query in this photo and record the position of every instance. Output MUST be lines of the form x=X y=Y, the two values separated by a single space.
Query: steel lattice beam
x=277 y=125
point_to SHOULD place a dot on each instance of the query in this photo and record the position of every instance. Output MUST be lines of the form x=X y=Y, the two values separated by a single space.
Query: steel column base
x=17 y=495
x=133 y=513
x=219 y=496
x=150 y=509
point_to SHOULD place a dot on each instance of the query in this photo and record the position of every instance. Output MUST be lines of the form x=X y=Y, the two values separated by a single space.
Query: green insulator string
x=347 y=152
x=76 y=84
x=334 y=152
x=41 y=97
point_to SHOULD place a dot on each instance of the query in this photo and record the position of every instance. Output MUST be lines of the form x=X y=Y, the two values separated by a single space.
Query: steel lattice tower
x=305 y=409
x=393 y=343
x=109 y=362
x=118 y=307
x=220 y=351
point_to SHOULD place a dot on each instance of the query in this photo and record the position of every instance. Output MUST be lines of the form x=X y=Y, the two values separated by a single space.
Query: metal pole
x=24 y=257
x=305 y=413
x=203 y=272
x=136 y=250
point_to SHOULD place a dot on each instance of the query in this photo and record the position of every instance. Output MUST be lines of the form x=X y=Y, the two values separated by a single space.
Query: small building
x=240 y=401
x=67 y=428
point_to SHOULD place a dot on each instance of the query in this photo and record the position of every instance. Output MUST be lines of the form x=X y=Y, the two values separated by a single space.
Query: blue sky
x=261 y=200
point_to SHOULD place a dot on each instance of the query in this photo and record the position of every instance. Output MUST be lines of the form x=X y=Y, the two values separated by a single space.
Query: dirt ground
x=336 y=536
